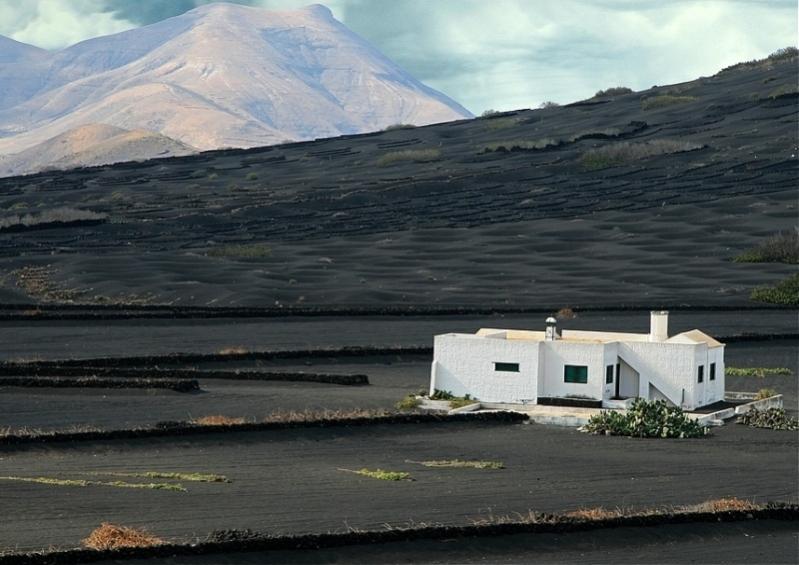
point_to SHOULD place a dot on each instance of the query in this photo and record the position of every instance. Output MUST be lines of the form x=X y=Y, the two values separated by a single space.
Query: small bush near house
x=764 y=393
x=772 y=418
x=759 y=372
x=664 y=100
x=111 y=536
x=785 y=292
x=779 y=248
x=620 y=153
x=410 y=402
x=413 y=155
x=645 y=419
x=613 y=91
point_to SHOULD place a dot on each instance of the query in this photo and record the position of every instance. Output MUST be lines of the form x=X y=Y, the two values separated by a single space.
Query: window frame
x=712 y=373
x=506 y=367
x=700 y=374
x=609 y=375
x=583 y=369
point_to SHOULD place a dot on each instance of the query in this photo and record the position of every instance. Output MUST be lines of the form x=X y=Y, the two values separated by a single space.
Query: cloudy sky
x=499 y=54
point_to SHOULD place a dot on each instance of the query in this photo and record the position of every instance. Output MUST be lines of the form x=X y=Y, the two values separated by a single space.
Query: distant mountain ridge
x=222 y=75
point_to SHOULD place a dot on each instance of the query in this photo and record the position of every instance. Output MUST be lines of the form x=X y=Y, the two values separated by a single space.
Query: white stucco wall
x=464 y=364
x=669 y=367
x=557 y=354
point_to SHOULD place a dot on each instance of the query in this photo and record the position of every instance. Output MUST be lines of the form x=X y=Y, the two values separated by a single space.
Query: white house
x=546 y=367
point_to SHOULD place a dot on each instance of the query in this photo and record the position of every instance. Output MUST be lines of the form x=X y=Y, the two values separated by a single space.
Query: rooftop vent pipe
x=552 y=329
x=658 y=325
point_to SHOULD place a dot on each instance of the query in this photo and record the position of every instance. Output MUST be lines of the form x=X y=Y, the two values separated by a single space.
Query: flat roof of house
x=692 y=337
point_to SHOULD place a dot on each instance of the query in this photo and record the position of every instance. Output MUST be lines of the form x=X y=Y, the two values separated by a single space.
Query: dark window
x=609 y=374
x=507 y=367
x=712 y=371
x=618 y=370
x=575 y=374
x=700 y=375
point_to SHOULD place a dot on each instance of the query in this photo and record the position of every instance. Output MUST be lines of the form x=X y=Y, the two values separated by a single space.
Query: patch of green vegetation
x=623 y=152
x=413 y=155
x=784 y=293
x=613 y=91
x=190 y=477
x=772 y=418
x=764 y=393
x=500 y=123
x=240 y=251
x=394 y=127
x=664 y=100
x=84 y=483
x=461 y=402
x=653 y=419
x=252 y=176
x=454 y=401
x=784 y=90
x=759 y=372
x=490 y=113
x=213 y=176
x=410 y=402
x=518 y=144
x=381 y=474
x=779 y=248
x=460 y=464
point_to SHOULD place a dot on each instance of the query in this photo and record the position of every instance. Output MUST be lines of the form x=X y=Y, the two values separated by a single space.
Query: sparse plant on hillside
x=394 y=127
x=613 y=91
x=780 y=248
x=664 y=100
x=252 y=176
x=381 y=474
x=413 y=155
x=785 y=292
x=240 y=251
x=782 y=54
x=518 y=145
x=490 y=113
x=64 y=215
x=620 y=153
x=218 y=420
x=460 y=464
x=548 y=104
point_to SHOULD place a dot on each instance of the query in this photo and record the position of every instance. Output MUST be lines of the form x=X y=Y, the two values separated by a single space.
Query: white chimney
x=552 y=329
x=659 y=325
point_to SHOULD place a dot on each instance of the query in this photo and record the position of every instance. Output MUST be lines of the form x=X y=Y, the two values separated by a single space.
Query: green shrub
x=785 y=292
x=620 y=153
x=460 y=464
x=442 y=395
x=240 y=251
x=384 y=475
x=394 y=127
x=613 y=91
x=645 y=419
x=252 y=176
x=519 y=144
x=490 y=114
x=414 y=155
x=772 y=418
x=454 y=401
x=548 y=104
x=410 y=402
x=664 y=100
x=764 y=393
x=759 y=372
x=779 y=248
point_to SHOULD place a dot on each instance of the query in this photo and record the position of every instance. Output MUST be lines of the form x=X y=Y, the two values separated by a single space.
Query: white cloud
x=53 y=24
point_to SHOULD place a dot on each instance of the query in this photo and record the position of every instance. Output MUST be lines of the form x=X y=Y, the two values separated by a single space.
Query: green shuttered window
x=575 y=374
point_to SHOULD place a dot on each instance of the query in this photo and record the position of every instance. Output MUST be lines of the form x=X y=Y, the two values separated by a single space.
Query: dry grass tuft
x=233 y=350
x=315 y=415
x=566 y=314
x=590 y=514
x=111 y=536
x=720 y=505
x=412 y=155
x=218 y=420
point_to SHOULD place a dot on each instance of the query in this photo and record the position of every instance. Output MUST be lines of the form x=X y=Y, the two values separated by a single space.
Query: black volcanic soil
x=289 y=481
x=766 y=543
x=499 y=228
